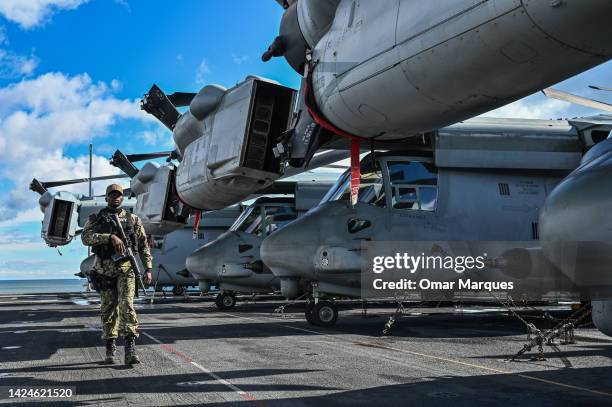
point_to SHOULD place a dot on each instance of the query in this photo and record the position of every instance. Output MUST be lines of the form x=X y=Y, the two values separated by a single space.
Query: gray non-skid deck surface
x=193 y=355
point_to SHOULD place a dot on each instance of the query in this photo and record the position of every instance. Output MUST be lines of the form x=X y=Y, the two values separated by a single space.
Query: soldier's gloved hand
x=117 y=244
x=147 y=278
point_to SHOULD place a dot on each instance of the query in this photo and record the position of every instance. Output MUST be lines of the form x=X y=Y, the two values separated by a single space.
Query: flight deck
x=194 y=354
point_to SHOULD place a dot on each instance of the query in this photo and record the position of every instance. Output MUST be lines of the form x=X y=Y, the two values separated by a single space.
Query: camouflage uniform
x=117 y=303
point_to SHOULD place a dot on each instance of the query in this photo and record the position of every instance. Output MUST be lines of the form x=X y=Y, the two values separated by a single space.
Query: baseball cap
x=114 y=187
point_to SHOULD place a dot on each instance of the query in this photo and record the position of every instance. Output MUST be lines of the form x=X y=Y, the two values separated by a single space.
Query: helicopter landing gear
x=225 y=301
x=323 y=313
x=178 y=290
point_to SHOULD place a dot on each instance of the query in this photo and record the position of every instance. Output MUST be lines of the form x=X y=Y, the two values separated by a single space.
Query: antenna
x=90 y=168
x=90 y=190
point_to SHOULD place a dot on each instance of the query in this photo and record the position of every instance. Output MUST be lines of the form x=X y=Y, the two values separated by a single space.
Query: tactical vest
x=104 y=224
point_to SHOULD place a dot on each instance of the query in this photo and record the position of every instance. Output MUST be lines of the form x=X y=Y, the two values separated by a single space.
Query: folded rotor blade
x=122 y=162
x=578 y=100
x=156 y=103
x=180 y=99
x=36 y=186
x=148 y=156
x=51 y=184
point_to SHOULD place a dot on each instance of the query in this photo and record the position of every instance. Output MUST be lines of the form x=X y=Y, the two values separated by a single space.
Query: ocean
x=41 y=286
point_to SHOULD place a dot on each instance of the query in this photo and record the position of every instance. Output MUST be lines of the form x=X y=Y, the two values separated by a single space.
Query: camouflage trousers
x=117 y=307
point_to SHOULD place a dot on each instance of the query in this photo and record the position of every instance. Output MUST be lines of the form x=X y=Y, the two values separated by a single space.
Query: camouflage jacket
x=91 y=236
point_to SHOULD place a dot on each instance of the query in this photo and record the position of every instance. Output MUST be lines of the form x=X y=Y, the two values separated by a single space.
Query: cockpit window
x=414 y=185
x=333 y=191
x=371 y=189
x=241 y=222
x=276 y=217
x=252 y=222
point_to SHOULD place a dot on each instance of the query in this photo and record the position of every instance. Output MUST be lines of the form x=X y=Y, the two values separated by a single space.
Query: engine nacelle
x=64 y=212
x=157 y=203
x=381 y=68
x=232 y=158
x=60 y=217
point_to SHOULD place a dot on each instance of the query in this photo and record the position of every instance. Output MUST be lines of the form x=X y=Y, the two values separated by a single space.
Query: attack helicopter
x=479 y=180
x=233 y=262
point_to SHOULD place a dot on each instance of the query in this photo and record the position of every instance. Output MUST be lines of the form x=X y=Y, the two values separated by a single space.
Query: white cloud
x=28 y=215
x=239 y=59
x=116 y=85
x=532 y=108
x=14 y=240
x=21 y=205
x=13 y=65
x=202 y=71
x=159 y=137
x=538 y=106
x=39 y=117
x=16 y=66
x=30 y=13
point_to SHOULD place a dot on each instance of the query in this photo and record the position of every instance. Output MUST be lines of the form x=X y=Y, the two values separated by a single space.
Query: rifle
x=130 y=254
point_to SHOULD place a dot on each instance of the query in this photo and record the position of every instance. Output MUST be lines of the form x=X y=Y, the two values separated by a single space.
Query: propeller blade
x=156 y=103
x=122 y=162
x=51 y=184
x=600 y=88
x=578 y=100
x=148 y=156
x=180 y=99
x=36 y=186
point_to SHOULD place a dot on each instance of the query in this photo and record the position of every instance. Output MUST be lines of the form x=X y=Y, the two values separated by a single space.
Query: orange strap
x=355 y=171
x=323 y=122
x=196 y=223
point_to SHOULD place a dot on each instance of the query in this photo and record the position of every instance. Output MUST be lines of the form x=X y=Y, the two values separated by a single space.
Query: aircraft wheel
x=325 y=313
x=225 y=301
x=178 y=290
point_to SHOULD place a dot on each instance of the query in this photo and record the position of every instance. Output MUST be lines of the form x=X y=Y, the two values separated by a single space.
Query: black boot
x=130 y=350
x=111 y=349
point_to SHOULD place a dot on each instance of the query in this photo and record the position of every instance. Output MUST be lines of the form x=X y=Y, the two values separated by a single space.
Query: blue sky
x=72 y=71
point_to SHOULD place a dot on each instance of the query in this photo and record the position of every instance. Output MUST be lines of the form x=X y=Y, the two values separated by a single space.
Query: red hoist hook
x=355 y=171
x=196 y=222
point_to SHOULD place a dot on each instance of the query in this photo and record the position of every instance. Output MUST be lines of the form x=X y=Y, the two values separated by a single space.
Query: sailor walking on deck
x=114 y=275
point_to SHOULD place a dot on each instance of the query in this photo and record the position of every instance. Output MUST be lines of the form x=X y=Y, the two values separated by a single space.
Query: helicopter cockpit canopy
x=411 y=183
x=265 y=216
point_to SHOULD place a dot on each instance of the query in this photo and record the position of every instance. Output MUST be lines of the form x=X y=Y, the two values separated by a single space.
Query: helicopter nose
x=289 y=252
x=582 y=25
x=202 y=263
